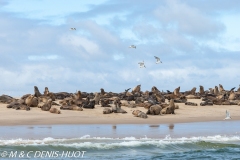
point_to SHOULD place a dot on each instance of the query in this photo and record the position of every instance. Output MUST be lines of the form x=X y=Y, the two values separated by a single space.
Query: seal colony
x=144 y=104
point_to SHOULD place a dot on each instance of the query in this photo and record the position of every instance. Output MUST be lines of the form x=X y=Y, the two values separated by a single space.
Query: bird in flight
x=132 y=46
x=72 y=29
x=227 y=115
x=141 y=64
x=158 y=60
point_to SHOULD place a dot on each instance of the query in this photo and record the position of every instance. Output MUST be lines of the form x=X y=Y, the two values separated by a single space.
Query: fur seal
x=231 y=96
x=201 y=90
x=190 y=96
x=154 y=110
x=31 y=101
x=136 y=89
x=116 y=108
x=138 y=113
x=97 y=98
x=177 y=91
x=206 y=103
x=54 y=110
x=191 y=103
x=36 y=92
x=47 y=106
x=107 y=111
x=221 y=89
x=216 y=92
x=170 y=109
x=90 y=105
x=46 y=91
x=6 y=99
x=192 y=92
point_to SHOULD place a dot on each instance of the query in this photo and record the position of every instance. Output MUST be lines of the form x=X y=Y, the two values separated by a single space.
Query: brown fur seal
x=22 y=107
x=47 y=106
x=46 y=91
x=31 y=101
x=71 y=107
x=145 y=105
x=107 y=111
x=55 y=110
x=116 y=108
x=201 y=90
x=231 y=96
x=192 y=97
x=221 y=89
x=36 y=92
x=170 y=109
x=154 y=110
x=136 y=89
x=97 y=98
x=216 y=92
x=192 y=91
x=190 y=103
x=155 y=90
x=6 y=99
x=138 y=113
x=177 y=91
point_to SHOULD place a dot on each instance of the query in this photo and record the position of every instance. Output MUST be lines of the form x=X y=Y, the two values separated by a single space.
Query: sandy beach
x=95 y=116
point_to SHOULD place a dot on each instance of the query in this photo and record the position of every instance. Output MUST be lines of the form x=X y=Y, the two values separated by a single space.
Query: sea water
x=204 y=140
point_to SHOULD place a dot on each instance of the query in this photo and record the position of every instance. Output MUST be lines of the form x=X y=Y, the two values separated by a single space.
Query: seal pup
x=138 y=113
x=54 y=110
x=191 y=103
x=107 y=111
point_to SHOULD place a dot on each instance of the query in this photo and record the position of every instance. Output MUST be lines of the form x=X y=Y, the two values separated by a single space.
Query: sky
x=198 y=42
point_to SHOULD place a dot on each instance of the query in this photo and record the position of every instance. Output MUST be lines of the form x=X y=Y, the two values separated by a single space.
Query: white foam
x=107 y=143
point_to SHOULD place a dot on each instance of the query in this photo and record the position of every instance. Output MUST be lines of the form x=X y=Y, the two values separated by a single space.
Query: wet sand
x=95 y=116
x=178 y=130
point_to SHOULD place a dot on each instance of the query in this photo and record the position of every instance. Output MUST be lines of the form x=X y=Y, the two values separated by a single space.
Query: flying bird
x=72 y=29
x=132 y=46
x=141 y=64
x=158 y=60
x=227 y=115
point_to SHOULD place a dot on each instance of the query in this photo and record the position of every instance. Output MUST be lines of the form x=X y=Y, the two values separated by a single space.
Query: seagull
x=72 y=29
x=141 y=64
x=227 y=115
x=158 y=60
x=132 y=46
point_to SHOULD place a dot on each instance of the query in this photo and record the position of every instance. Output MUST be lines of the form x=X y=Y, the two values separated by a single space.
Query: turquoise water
x=206 y=140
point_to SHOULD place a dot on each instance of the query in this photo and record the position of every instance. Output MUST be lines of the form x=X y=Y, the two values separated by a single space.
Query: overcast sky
x=198 y=42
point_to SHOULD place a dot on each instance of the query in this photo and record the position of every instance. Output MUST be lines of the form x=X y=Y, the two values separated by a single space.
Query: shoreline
x=138 y=131
x=185 y=114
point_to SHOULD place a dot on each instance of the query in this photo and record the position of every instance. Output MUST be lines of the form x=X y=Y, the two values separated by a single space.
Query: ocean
x=200 y=140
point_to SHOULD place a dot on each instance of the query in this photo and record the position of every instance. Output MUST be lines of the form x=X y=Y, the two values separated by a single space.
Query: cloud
x=188 y=20
x=40 y=58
